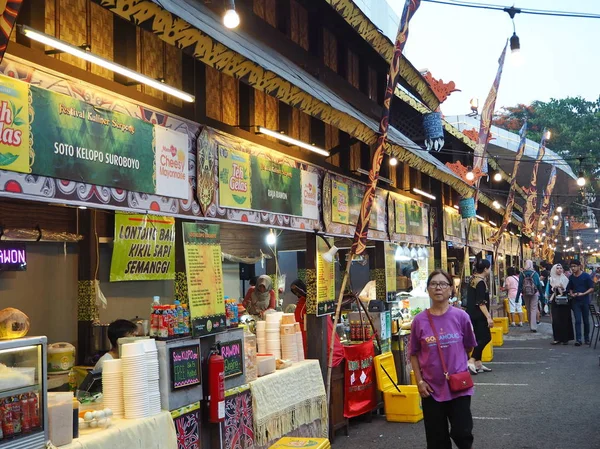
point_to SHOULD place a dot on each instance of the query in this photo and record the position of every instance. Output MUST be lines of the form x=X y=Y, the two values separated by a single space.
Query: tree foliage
x=574 y=123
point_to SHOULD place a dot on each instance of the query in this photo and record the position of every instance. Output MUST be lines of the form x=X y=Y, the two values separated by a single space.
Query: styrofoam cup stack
x=261 y=337
x=299 y=346
x=273 y=345
x=151 y=353
x=112 y=386
x=135 y=381
x=289 y=349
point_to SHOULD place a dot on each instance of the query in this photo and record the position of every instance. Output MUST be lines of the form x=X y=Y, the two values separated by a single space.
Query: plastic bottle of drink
x=34 y=410
x=163 y=320
x=155 y=302
x=186 y=320
x=154 y=322
x=172 y=314
x=180 y=331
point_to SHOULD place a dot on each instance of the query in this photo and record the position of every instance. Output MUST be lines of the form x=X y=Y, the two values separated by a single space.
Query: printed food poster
x=356 y=194
x=14 y=125
x=204 y=278
x=310 y=195
x=172 y=178
x=234 y=179
x=144 y=248
x=400 y=216
x=325 y=280
x=275 y=187
x=339 y=202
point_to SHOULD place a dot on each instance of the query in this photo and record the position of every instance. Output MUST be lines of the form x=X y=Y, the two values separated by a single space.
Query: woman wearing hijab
x=260 y=298
x=298 y=288
x=562 y=327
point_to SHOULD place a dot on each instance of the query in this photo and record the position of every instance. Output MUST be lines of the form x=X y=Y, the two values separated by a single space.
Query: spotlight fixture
x=231 y=19
x=393 y=161
x=496 y=205
x=498 y=176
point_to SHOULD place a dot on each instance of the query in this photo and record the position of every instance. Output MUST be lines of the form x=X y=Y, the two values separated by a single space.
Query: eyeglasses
x=440 y=285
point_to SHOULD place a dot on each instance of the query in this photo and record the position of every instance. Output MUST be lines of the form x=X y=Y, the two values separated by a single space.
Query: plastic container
x=488 y=353
x=60 y=418
x=313 y=443
x=250 y=355
x=502 y=322
x=403 y=406
x=265 y=364
x=497 y=336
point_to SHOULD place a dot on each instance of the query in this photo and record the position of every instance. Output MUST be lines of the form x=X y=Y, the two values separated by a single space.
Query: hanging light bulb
x=556 y=218
x=578 y=237
x=498 y=176
x=588 y=225
x=496 y=205
x=548 y=134
x=559 y=209
x=553 y=226
x=543 y=222
x=231 y=19
x=596 y=231
x=568 y=238
x=515 y=44
x=580 y=179
x=470 y=175
x=393 y=161
x=271 y=238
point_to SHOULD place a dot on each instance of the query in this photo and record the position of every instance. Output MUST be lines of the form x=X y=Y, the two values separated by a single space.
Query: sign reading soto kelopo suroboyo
x=231 y=351
x=13 y=257
x=185 y=366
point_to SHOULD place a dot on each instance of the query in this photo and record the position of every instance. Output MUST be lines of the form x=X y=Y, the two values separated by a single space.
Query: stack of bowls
x=273 y=339
x=153 y=376
x=135 y=381
x=261 y=337
x=112 y=386
x=289 y=349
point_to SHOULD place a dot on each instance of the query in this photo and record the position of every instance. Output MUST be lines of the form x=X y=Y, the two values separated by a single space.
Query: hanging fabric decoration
x=434 y=131
x=544 y=208
x=8 y=17
x=496 y=237
x=530 y=211
x=359 y=394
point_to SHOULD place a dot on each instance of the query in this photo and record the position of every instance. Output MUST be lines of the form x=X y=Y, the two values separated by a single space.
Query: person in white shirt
x=117 y=329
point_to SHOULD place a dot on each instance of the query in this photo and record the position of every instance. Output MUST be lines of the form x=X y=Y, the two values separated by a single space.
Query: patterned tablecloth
x=288 y=399
x=156 y=432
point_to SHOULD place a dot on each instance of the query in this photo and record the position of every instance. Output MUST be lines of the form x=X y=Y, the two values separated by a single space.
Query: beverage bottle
x=155 y=302
x=16 y=415
x=25 y=415
x=186 y=320
x=154 y=324
x=179 y=312
x=34 y=410
x=163 y=323
x=227 y=312
x=7 y=418
x=172 y=321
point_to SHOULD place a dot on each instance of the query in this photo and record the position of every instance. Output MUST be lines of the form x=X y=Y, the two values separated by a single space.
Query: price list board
x=204 y=278
x=185 y=366
x=325 y=280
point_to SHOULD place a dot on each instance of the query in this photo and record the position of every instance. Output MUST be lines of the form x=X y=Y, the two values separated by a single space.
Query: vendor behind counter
x=260 y=298
x=117 y=329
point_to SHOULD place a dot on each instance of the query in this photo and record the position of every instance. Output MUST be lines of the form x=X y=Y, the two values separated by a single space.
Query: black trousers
x=483 y=336
x=437 y=415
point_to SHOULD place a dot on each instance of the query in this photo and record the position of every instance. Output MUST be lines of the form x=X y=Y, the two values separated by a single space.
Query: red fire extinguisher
x=216 y=386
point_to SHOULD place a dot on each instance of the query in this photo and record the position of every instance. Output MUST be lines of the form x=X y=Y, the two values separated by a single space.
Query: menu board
x=232 y=352
x=325 y=280
x=390 y=271
x=185 y=366
x=204 y=278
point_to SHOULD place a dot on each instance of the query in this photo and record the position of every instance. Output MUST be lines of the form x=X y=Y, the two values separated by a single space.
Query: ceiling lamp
x=568 y=238
x=553 y=226
x=64 y=47
x=492 y=223
x=498 y=176
x=425 y=194
x=231 y=19
x=393 y=161
x=596 y=231
x=496 y=205
x=292 y=141
x=543 y=222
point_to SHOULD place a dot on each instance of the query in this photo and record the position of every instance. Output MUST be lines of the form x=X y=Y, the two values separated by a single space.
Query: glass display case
x=23 y=392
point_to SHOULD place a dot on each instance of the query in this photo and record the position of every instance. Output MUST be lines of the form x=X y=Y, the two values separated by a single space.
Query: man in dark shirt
x=580 y=286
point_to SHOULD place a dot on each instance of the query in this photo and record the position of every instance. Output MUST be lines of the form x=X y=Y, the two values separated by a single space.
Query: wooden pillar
x=316 y=327
x=87 y=310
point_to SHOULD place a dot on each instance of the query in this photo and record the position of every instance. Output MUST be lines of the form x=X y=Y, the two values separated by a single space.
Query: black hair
x=300 y=285
x=575 y=262
x=481 y=265
x=511 y=271
x=118 y=329
x=253 y=281
x=443 y=273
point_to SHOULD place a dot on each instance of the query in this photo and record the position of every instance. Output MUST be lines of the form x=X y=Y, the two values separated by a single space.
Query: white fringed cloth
x=284 y=401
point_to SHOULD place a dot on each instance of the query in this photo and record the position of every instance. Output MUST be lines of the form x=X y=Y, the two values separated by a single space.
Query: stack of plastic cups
x=135 y=381
x=152 y=373
x=289 y=350
x=261 y=337
x=273 y=340
x=299 y=342
x=112 y=386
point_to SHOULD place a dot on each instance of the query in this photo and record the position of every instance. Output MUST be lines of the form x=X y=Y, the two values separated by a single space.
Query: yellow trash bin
x=488 y=353
x=497 y=336
x=399 y=406
x=502 y=322
x=313 y=443
x=525 y=318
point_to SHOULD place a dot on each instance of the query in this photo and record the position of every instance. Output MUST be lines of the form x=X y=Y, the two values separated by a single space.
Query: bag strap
x=437 y=342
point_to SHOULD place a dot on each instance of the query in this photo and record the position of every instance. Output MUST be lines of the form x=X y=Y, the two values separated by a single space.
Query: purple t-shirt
x=456 y=335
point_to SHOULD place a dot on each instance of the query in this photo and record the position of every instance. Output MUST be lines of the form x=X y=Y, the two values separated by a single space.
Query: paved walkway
x=537 y=397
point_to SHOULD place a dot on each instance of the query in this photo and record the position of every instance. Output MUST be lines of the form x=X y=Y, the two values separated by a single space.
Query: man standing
x=580 y=287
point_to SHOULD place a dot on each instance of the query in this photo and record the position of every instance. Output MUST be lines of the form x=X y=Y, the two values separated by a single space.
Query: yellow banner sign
x=14 y=125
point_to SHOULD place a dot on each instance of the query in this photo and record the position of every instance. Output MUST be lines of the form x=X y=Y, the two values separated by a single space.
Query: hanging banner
x=171 y=161
x=325 y=280
x=400 y=217
x=9 y=12
x=378 y=213
x=359 y=382
x=340 y=202
x=49 y=134
x=14 y=123
x=416 y=224
x=310 y=205
x=204 y=278
x=531 y=196
x=390 y=271
x=144 y=248
x=275 y=187
x=234 y=179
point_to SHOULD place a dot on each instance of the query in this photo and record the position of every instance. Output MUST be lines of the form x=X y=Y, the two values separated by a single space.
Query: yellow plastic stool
x=313 y=443
x=488 y=353
x=502 y=322
x=497 y=336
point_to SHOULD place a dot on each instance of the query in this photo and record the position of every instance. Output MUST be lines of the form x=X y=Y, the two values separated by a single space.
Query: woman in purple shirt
x=440 y=405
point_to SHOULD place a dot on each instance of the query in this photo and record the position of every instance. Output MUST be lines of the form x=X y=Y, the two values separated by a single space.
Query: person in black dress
x=562 y=326
x=478 y=305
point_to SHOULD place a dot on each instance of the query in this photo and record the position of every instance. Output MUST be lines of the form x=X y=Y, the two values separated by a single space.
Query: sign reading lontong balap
x=204 y=278
x=144 y=248
x=62 y=137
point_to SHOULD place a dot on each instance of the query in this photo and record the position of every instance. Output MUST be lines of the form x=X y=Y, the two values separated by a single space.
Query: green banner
x=74 y=140
x=276 y=187
x=144 y=248
x=204 y=278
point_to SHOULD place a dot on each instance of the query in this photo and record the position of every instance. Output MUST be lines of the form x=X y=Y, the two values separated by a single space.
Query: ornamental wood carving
x=473 y=134
x=440 y=89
